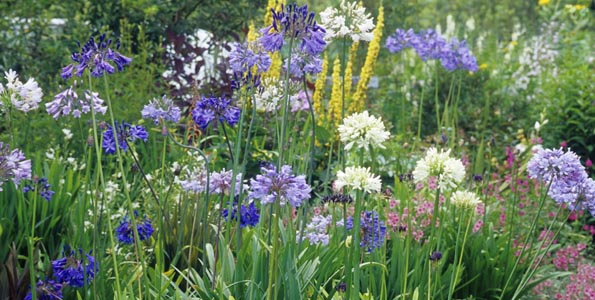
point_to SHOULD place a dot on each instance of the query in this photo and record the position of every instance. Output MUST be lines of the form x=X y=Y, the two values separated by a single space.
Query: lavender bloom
x=295 y=23
x=245 y=56
x=284 y=185
x=373 y=230
x=73 y=271
x=428 y=44
x=249 y=215
x=316 y=230
x=96 y=57
x=13 y=165
x=42 y=186
x=215 y=108
x=400 y=40
x=456 y=55
x=125 y=133
x=125 y=233
x=303 y=63
x=68 y=102
x=196 y=181
x=161 y=109
x=46 y=290
x=221 y=182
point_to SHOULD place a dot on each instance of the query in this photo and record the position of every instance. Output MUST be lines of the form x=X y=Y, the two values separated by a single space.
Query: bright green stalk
x=282 y=138
x=313 y=138
x=356 y=251
x=272 y=292
x=31 y=244
x=436 y=102
x=455 y=274
x=421 y=110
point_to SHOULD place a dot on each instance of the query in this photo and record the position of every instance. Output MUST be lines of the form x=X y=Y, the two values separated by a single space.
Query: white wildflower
x=449 y=171
x=363 y=131
x=465 y=199
x=349 y=20
x=24 y=97
x=358 y=178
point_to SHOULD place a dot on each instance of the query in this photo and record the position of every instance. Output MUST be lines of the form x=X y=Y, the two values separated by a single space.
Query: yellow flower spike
x=319 y=92
x=368 y=69
x=251 y=36
x=543 y=2
x=349 y=74
x=334 y=110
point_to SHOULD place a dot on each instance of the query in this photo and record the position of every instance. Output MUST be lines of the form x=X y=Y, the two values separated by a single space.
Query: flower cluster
x=247 y=62
x=24 y=97
x=68 y=102
x=363 y=131
x=337 y=198
x=316 y=230
x=125 y=232
x=125 y=133
x=448 y=171
x=297 y=23
x=429 y=44
x=42 y=186
x=465 y=199
x=221 y=182
x=249 y=215
x=373 y=230
x=46 y=290
x=195 y=181
x=303 y=63
x=349 y=20
x=73 y=271
x=285 y=186
x=215 y=109
x=161 y=109
x=97 y=57
x=358 y=178
x=13 y=165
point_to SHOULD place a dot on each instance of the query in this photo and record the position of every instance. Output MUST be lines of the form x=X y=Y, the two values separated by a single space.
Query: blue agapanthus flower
x=372 y=228
x=46 y=290
x=294 y=22
x=42 y=186
x=283 y=184
x=13 y=165
x=400 y=40
x=97 y=56
x=249 y=215
x=161 y=109
x=125 y=233
x=125 y=134
x=215 y=109
x=74 y=271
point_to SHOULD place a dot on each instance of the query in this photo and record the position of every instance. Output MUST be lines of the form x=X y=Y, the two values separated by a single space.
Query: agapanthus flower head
x=46 y=290
x=97 y=56
x=249 y=215
x=577 y=197
x=428 y=44
x=337 y=198
x=556 y=166
x=125 y=133
x=448 y=171
x=363 y=131
x=249 y=56
x=293 y=22
x=285 y=186
x=465 y=199
x=23 y=96
x=13 y=165
x=316 y=231
x=372 y=228
x=221 y=182
x=125 y=232
x=74 y=270
x=349 y=20
x=42 y=186
x=456 y=55
x=435 y=256
x=400 y=40
x=215 y=109
x=195 y=181
x=358 y=178
x=68 y=102
x=303 y=63
x=161 y=109
x=272 y=94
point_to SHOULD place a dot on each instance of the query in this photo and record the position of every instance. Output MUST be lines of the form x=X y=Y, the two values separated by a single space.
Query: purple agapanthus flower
x=304 y=63
x=317 y=230
x=125 y=233
x=294 y=22
x=456 y=55
x=161 y=109
x=42 y=186
x=221 y=182
x=245 y=56
x=270 y=185
x=400 y=40
x=97 y=57
x=125 y=133
x=74 y=271
x=215 y=109
x=13 y=165
x=249 y=214
x=373 y=230
x=46 y=290
x=68 y=102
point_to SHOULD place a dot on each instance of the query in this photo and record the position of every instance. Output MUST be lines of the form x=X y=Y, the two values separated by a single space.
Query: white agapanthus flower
x=358 y=178
x=448 y=171
x=465 y=199
x=363 y=131
x=349 y=20
x=24 y=97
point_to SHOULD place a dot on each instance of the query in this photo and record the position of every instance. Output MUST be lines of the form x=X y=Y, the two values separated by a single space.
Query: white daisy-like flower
x=363 y=131
x=358 y=178
x=24 y=97
x=465 y=199
x=449 y=171
x=349 y=20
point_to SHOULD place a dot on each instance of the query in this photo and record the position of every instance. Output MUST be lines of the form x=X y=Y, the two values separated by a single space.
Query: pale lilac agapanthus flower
x=13 y=165
x=161 y=109
x=282 y=185
x=68 y=102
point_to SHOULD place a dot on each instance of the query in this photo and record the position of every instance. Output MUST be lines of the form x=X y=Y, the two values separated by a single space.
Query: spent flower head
x=125 y=133
x=161 y=109
x=68 y=102
x=74 y=270
x=46 y=290
x=215 y=109
x=349 y=20
x=22 y=96
x=358 y=178
x=13 y=165
x=97 y=56
x=363 y=131
x=282 y=185
x=449 y=171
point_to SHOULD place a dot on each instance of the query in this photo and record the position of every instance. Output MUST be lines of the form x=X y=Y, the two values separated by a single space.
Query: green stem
x=455 y=275
x=313 y=137
x=355 y=259
x=436 y=102
x=282 y=137
x=420 y=112
x=275 y=250
x=31 y=244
